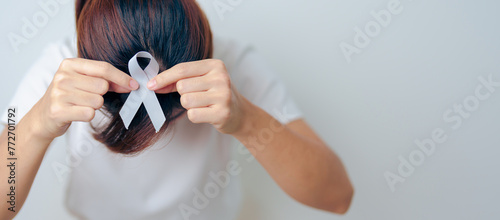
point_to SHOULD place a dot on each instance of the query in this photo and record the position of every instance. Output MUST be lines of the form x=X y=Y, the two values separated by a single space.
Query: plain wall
x=423 y=64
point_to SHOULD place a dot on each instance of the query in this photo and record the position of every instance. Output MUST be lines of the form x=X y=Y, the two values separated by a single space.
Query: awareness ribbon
x=143 y=94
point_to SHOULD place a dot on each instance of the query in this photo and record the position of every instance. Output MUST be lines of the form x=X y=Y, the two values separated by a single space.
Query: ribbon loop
x=143 y=94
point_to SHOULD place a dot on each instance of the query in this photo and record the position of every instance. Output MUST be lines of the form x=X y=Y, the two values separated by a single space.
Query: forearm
x=304 y=168
x=29 y=151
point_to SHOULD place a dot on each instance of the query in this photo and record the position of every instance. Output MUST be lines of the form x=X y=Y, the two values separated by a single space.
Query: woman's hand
x=75 y=93
x=206 y=92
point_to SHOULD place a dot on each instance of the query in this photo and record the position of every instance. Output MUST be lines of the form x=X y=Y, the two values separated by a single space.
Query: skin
x=295 y=157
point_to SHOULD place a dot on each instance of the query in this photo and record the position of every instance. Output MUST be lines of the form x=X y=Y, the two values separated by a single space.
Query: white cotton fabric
x=155 y=183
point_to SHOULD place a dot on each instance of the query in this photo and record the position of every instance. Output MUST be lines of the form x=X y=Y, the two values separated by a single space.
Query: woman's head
x=173 y=31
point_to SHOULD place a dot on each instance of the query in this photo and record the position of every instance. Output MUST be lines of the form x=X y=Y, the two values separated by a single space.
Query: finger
x=113 y=87
x=194 y=84
x=197 y=100
x=168 y=89
x=202 y=115
x=86 y=99
x=103 y=70
x=86 y=83
x=77 y=113
x=182 y=71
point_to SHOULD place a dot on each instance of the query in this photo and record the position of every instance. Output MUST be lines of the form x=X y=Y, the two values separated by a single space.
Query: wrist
x=248 y=118
x=33 y=130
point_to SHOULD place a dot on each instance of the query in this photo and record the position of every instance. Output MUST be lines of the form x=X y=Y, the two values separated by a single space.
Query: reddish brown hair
x=173 y=31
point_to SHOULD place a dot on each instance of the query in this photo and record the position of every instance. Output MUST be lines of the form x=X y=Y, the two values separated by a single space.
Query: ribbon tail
x=154 y=110
x=130 y=108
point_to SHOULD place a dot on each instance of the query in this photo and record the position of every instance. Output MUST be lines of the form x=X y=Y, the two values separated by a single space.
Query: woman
x=212 y=91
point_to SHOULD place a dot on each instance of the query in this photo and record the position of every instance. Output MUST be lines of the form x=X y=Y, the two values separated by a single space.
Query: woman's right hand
x=75 y=94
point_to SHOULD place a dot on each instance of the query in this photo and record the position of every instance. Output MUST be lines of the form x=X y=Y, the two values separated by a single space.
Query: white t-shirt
x=179 y=176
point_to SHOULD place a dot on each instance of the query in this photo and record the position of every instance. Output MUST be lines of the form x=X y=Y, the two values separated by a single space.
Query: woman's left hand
x=206 y=92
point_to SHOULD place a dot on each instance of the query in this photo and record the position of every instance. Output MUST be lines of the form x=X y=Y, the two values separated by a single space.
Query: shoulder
x=51 y=57
x=243 y=63
x=256 y=80
x=42 y=70
x=61 y=49
x=230 y=51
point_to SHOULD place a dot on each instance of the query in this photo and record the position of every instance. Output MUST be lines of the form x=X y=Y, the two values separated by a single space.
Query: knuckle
x=88 y=114
x=180 y=86
x=57 y=94
x=98 y=102
x=59 y=78
x=185 y=100
x=225 y=114
x=223 y=79
x=226 y=97
x=218 y=63
x=102 y=86
x=103 y=66
x=192 y=115
x=66 y=63
x=54 y=111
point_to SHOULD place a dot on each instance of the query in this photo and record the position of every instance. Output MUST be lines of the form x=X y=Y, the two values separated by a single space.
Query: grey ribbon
x=143 y=94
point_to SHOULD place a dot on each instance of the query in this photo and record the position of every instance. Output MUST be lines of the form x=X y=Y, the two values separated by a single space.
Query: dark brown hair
x=173 y=31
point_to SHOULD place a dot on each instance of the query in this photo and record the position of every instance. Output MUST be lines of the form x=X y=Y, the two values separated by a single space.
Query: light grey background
x=369 y=111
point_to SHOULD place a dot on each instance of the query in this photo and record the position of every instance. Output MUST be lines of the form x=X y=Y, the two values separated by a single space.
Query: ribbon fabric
x=143 y=94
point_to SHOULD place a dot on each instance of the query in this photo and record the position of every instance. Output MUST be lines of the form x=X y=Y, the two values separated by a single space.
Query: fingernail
x=133 y=84
x=152 y=84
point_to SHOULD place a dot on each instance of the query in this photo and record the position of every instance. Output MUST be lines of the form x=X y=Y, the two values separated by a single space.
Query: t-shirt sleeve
x=256 y=80
x=34 y=83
